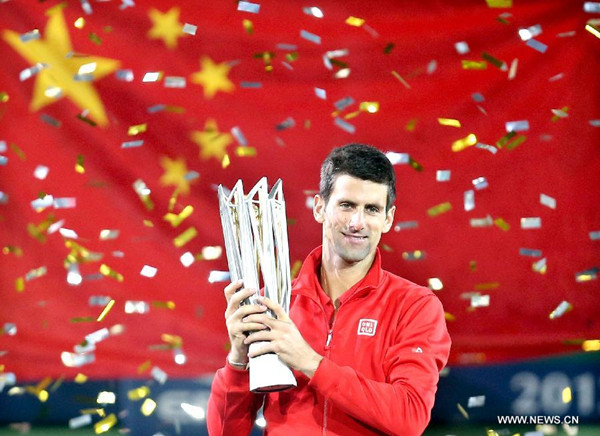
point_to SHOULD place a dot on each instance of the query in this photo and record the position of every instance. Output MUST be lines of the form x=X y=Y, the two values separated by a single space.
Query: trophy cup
x=256 y=243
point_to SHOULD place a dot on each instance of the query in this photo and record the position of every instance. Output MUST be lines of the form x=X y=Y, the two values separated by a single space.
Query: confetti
x=461 y=409
x=185 y=237
x=29 y=36
x=245 y=151
x=239 y=136
x=540 y=266
x=499 y=3
x=480 y=301
x=589 y=345
x=176 y=219
x=530 y=32
x=148 y=407
x=342 y=104
x=98 y=300
x=153 y=76
x=344 y=125
x=487 y=147
x=105 y=397
x=531 y=223
x=404 y=225
x=469 y=200
x=593 y=26
x=190 y=29
x=310 y=37
x=401 y=79
x=105 y=424
x=106 y=234
x=138 y=393
x=561 y=309
x=144 y=193
x=36 y=273
x=465 y=142
x=97 y=336
x=164 y=304
x=218 y=276
x=414 y=255
x=244 y=6
x=480 y=183
x=79 y=23
x=449 y=122
x=104 y=312
x=502 y=224
x=461 y=47
x=369 y=106
x=140 y=307
x=41 y=172
x=313 y=11
x=512 y=71
x=124 y=75
x=477 y=401
x=354 y=21
x=439 y=209
x=148 y=271
x=591 y=7
x=517 y=126
x=174 y=82
x=107 y=271
x=547 y=201
x=508 y=141
x=65 y=203
x=435 y=284
x=80 y=421
x=159 y=375
x=398 y=158
x=537 y=45
x=530 y=252
x=9 y=329
x=587 y=275
x=75 y=360
x=473 y=65
x=595 y=235
x=442 y=175
x=28 y=73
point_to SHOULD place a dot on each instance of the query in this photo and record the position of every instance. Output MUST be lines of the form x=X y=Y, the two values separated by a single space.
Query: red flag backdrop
x=238 y=94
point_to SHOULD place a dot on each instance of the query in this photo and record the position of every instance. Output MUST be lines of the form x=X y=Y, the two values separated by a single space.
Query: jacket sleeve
x=231 y=406
x=402 y=404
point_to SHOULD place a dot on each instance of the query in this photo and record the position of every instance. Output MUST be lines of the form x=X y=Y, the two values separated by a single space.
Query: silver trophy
x=256 y=243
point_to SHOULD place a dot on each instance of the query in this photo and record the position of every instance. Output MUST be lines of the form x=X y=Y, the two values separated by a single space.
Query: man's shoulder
x=402 y=287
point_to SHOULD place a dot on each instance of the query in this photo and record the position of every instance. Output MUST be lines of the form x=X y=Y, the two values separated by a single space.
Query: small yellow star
x=175 y=174
x=57 y=78
x=212 y=143
x=213 y=77
x=166 y=26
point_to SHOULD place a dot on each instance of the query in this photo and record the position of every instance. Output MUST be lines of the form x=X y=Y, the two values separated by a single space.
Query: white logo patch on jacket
x=367 y=327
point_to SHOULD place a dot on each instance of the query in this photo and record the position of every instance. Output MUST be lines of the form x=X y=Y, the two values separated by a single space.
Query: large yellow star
x=166 y=26
x=61 y=69
x=213 y=77
x=212 y=143
x=175 y=174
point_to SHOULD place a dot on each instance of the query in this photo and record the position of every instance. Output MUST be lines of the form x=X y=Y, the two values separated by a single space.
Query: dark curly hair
x=361 y=161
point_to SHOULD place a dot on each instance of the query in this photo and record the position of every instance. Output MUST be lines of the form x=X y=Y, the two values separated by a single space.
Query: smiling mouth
x=355 y=237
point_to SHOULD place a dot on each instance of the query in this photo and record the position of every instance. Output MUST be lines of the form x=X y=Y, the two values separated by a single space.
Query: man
x=366 y=346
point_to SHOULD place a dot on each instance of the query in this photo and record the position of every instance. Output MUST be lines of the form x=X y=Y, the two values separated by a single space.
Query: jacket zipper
x=328 y=349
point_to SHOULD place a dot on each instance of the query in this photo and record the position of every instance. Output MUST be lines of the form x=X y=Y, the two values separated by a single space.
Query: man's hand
x=236 y=328
x=282 y=338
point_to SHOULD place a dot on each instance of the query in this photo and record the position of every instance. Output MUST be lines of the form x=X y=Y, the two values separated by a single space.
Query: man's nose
x=357 y=220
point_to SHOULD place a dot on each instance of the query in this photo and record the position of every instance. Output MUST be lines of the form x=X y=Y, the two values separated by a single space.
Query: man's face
x=353 y=219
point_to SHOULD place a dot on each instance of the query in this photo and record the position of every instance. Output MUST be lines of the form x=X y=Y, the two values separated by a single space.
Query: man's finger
x=275 y=308
x=231 y=288
x=240 y=296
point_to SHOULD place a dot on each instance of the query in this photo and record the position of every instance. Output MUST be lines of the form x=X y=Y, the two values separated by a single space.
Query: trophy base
x=269 y=374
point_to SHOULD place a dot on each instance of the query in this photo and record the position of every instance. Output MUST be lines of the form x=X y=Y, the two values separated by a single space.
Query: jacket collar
x=308 y=279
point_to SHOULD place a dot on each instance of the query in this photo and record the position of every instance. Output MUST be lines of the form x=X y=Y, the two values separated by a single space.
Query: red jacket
x=383 y=348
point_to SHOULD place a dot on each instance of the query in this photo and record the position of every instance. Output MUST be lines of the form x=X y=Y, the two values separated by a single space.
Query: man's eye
x=373 y=209
x=345 y=205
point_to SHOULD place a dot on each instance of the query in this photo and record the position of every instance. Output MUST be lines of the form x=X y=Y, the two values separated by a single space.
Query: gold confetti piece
x=449 y=316
x=291 y=57
x=593 y=26
x=15 y=148
x=387 y=248
x=465 y=142
x=81 y=319
x=502 y=224
x=86 y=120
x=145 y=366
x=399 y=77
x=369 y=106
x=508 y=141
x=245 y=151
x=20 y=284
x=561 y=309
x=210 y=253
x=472 y=265
x=416 y=165
x=148 y=223
x=473 y=65
x=176 y=219
x=248 y=26
x=79 y=165
x=567 y=395
x=185 y=237
x=462 y=410
x=540 y=266
x=105 y=424
x=4 y=97
x=144 y=193
x=164 y=304
x=439 y=209
x=449 y=122
x=499 y=3
x=94 y=38
x=136 y=129
x=560 y=113
x=148 y=407
x=413 y=255
x=107 y=308
x=99 y=412
x=79 y=23
x=356 y=22
x=410 y=126
x=352 y=115
x=138 y=393
x=296 y=268
x=225 y=162
x=8 y=249
x=492 y=60
x=591 y=345
x=80 y=378
x=107 y=271
x=174 y=341
x=486 y=286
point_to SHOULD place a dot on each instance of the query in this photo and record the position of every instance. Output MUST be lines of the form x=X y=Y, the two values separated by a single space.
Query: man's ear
x=319 y=209
x=389 y=219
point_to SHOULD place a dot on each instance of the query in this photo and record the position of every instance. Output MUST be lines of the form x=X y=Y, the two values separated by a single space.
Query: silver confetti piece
x=480 y=300
x=539 y=266
x=288 y=123
x=480 y=183
x=537 y=45
x=106 y=234
x=239 y=136
x=97 y=336
x=80 y=421
x=314 y=11
x=344 y=125
x=478 y=97
x=587 y=275
x=530 y=252
x=487 y=147
x=34 y=34
x=187 y=259
x=342 y=104
x=477 y=401
x=74 y=360
x=595 y=235
x=531 y=222
x=442 y=175
x=548 y=201
x=461 y=47
x=140 y=307
x=190 y=29
x=218 y=276
x=9 y=328
x=41 y=172
x=530 y=32
x=124 y=75
x=398 y=158
x=98 y=300
x=404 y=225
x=3 y=160
x=517 y=126
x=321 y=93
x=591 y=7
x=159 y=375
x=27 y=73
x=469 y=200
x=310 y=37
x=286 y=47
x=482 y=222
x=65 y=203
x=174 y=82
x=3 y=198
x=253 y=8
x=251 y=85
x=132 y=144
